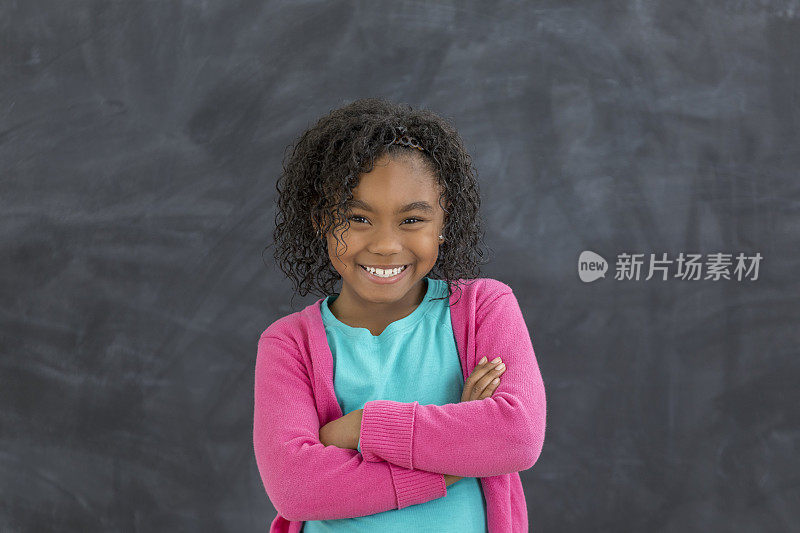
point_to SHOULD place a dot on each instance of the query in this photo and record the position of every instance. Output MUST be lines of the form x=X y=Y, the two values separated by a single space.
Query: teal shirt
x=413 y=359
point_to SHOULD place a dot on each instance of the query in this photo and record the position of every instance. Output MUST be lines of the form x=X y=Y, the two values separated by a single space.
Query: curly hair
x=325 y=166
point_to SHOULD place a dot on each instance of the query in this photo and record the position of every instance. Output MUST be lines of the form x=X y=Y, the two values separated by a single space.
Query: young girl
x=410 y=399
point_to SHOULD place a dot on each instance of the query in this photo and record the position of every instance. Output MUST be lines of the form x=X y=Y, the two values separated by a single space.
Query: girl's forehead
x=395 y=199
x=395 y=176
x=408 y=161
x=394 y=183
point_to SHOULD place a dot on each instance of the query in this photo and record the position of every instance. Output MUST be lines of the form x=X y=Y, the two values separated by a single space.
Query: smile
x=384 y=276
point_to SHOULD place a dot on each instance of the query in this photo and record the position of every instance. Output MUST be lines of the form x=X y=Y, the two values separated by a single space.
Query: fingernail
x=495 y=381
x=483 y=360
x=495 y=360
x=501 y=366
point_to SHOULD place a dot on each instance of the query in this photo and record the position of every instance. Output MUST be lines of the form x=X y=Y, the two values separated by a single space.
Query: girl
x=381 y=407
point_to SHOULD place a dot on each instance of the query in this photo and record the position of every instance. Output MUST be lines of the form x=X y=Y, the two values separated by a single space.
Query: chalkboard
x=140 y=144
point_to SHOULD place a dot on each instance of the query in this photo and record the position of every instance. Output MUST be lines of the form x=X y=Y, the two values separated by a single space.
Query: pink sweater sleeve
x=497 y=435
x=304 y=479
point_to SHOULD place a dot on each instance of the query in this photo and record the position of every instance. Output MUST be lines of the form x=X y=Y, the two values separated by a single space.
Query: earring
x=441 y=238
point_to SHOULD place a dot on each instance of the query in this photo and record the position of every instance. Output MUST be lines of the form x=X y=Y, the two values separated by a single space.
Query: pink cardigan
x=406 y=447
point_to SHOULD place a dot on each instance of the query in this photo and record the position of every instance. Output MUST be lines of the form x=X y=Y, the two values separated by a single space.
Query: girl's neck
x=356 y=312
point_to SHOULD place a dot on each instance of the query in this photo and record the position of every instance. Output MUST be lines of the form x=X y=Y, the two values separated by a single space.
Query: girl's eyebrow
x=422 y=206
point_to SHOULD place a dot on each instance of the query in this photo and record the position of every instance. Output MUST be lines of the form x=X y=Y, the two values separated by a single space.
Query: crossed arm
x=406 y=447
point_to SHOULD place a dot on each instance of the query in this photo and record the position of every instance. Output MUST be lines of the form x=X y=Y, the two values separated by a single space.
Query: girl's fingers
x=489 y=390
x=486 y=378
x=470 y=392
x=473 y=387
x=480 y=370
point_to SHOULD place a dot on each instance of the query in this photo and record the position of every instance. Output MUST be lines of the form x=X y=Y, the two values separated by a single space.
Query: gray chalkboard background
x=140 y=143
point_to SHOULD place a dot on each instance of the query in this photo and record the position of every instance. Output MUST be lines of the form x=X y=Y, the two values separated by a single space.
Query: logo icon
x=591 y=266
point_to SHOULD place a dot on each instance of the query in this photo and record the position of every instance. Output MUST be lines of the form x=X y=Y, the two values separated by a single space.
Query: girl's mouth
x=384 y=277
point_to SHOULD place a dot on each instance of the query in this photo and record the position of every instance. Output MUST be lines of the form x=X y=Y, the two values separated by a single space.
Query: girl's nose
x=385 y=240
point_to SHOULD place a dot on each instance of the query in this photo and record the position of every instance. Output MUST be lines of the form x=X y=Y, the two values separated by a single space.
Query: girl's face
x=395 y=220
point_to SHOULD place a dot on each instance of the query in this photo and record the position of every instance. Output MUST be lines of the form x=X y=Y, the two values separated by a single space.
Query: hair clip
x=404 y=139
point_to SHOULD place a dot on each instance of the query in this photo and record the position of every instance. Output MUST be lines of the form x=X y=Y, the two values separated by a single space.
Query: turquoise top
x=414 y=358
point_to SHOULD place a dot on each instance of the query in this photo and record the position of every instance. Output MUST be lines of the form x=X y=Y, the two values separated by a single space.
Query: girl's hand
x=483 y=380
x=342 y=432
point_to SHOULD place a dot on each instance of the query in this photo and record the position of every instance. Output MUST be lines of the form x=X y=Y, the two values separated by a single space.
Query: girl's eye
x=406 y=220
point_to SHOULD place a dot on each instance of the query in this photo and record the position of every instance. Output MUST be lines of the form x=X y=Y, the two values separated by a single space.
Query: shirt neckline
x=329 y=319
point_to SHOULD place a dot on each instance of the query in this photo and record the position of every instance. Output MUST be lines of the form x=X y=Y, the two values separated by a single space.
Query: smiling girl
x=410 y=399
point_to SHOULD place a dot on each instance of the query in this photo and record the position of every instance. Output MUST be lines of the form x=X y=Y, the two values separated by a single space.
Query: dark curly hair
x=325 y=166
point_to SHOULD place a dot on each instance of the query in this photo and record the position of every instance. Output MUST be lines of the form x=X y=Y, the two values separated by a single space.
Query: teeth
x=383 y=273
